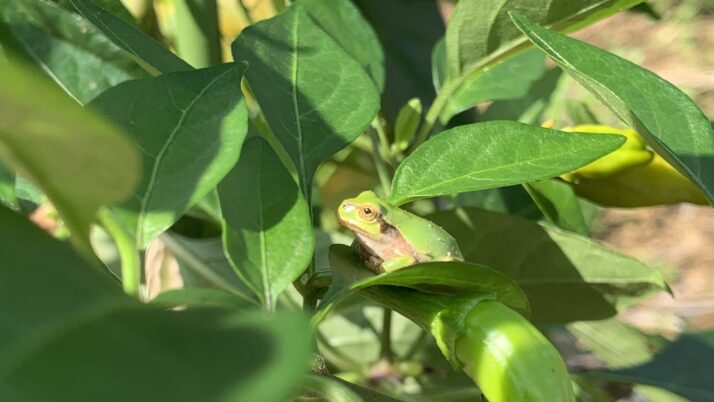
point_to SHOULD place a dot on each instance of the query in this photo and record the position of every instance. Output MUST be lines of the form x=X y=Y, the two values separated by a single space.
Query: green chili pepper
x=509 y=359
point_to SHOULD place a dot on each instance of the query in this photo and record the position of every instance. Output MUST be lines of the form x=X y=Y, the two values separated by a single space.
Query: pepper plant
x=160 y=130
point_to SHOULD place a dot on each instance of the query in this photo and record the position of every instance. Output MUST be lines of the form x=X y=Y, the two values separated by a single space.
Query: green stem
x=198 y=36
x=384 y=150
x=385 y=351
x=380 y=165
x=128 y=253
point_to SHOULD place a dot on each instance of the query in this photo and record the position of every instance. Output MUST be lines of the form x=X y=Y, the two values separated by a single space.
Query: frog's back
x=426 y=236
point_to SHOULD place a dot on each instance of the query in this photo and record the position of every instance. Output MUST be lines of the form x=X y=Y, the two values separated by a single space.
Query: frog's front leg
x=398 y=262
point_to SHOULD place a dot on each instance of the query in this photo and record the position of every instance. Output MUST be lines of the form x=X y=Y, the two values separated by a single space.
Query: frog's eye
x=368 y=213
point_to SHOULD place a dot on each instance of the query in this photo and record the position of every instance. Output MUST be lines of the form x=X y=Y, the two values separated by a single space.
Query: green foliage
x=234 y=172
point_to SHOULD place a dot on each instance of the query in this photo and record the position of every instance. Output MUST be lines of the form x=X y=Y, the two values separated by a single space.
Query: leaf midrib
x=159 y=158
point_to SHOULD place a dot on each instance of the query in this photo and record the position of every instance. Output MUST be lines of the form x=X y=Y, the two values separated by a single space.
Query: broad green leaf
x=481 y=35
x=342 y=20
x=316 y=98
x=669 y=120
x=480 y=32
x=130 y=38
x=78 y=159
x=145 y=354
x=367 y=394
x=115 y=7
x=190 y=128
x=531 y=107
x=512 y=200
x=456 y=278
x=267 y=233
x=7 y=188
x=43 y=284
x=493 y=154
x=69 y=49
x=683 y=367
x=613 y=342
x=201 y=297
x=508 y=79
x=63 y=319
x=559 y=204
x=203 y=264
x=406 y=62
x=566 y=277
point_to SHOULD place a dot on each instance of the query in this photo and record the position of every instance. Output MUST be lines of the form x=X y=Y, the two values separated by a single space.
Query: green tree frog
x=390 y=238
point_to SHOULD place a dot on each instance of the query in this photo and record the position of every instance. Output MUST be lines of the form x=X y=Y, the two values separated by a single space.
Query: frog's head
x=363 y=214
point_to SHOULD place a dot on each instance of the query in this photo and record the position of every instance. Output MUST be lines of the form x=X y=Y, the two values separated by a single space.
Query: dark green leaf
x=529 y=108
x=75 y=54
x=509 y=79
x=639 y=98
x=408 y=30
x=512 y=200
x=344 y=23
x=477 y=30
x=455 y=278
x=78 y=159
x=493 y=154
x=683 y=367
x=144 y=354
x=40 y=290
x=566 y=277
x=203 y=264
x=7 y=188
x=316 y=98
x=115 y=7
x=190 y=128
x=64 y=320
x=201 y=297
x=130 y=38
x=267 y=233
x=559 y=204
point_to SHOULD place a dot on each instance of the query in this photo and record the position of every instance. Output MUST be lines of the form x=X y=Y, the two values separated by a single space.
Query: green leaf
x=267 y=233
x=566 y=277
x=7 y=188
x=478 y=33
x=115 y=7
x=203 y=264
x=513 y=200
x=130 y=38
x=452 y=278
x=144 y=354
x=190 y=128
x=613 y=342
x=78 y=159
x=493 y=154
x=407 y=65
x=331 y=389
x=682 y=366
x=529 y=108
x=316 y=98
x=63 y=320
x=640 y=99
x=42 y=290
x=69 y=49
x=509 y=79
x=559 y=204
x=407 y=124
x=359 y=40
x=201 y=297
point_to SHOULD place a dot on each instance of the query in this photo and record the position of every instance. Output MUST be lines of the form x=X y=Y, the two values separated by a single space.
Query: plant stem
x=128 y=253
x=385 y=351
x=384 y=150
x=380 y=165
x=198 y=37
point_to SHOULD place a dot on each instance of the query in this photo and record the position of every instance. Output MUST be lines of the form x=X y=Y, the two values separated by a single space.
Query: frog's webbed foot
x=398 y=262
